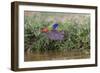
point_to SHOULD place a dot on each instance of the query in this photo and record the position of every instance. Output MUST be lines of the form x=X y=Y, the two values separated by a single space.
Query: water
x=51 y=55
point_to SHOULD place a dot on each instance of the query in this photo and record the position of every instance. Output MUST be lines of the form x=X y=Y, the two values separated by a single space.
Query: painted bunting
x=51 y=27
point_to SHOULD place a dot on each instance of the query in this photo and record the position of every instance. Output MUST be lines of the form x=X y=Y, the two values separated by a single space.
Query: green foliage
x=76 y=36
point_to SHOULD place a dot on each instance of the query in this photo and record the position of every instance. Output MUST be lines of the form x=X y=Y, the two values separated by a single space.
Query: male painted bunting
x=53 y=27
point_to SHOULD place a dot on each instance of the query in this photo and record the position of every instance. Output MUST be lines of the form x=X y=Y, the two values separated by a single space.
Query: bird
x=49 y=28
x=53 y=33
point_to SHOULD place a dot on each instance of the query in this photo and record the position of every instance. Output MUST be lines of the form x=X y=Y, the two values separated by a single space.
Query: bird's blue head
x=55 y=26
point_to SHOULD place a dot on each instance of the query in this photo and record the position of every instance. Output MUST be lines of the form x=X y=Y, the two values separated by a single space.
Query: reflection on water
x=50 y=55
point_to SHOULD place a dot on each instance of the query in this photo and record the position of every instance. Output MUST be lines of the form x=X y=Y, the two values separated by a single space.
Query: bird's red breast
x=45 y=30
